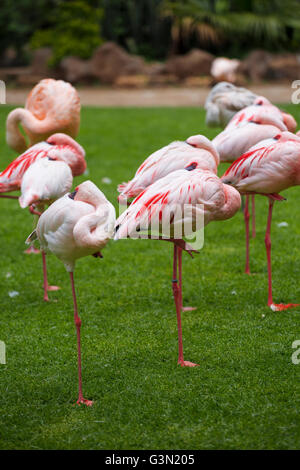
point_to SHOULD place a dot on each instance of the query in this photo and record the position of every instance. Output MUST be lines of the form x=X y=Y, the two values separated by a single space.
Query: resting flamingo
x=76 y=225
x=267 y=169
x=224 y=101
x=45 y=181
x=52 y=106
x=197 y=151
x=180 y=200
x=57 y=147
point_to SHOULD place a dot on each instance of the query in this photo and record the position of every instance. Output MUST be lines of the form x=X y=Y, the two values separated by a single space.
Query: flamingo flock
x=175 y=191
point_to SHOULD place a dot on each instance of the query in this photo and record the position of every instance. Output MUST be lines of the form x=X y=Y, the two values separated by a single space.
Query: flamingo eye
x=191 y=166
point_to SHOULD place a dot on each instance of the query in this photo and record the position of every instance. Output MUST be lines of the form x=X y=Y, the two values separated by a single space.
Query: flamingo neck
x=14 y=137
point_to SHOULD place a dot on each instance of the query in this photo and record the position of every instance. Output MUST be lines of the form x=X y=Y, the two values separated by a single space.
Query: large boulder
x=194 y=63
x=256 y=65
x=111 y=61
x=40 y=60
x=75 y=70
x=284 y=67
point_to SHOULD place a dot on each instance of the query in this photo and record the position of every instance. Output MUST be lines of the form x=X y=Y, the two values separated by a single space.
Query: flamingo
x=179 y=200
x=224 y=101
x=263 y=110
x=45 y=181
x=57 y=147
x=224 y=69
x=267 y=169
x=52 y=106
x=76 y=225
x=197 y=151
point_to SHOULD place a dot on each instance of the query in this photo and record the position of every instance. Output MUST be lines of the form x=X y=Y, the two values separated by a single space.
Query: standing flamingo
x=224 y=101
x=52 y=106
x=267 y=169
x=79 y=224
x=197 y=151
x=45 y=181
x=178 y=201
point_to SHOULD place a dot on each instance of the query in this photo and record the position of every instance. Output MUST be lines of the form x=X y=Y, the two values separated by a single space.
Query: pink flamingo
x=267 y=169
x=262 y=110
x=76 y=225
x=57 y=147
x=45 y=181
x=52 y=106
x=178 y=201
x=197 y=151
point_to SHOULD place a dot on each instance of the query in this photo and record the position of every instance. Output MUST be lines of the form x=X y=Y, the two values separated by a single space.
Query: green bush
x=75 y=30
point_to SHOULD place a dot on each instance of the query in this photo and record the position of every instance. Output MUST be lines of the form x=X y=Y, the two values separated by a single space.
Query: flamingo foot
x=53 y=288
x=280 y=307
x=187 y=363
x=32 y=251
x=188 y=309
x=83 y=401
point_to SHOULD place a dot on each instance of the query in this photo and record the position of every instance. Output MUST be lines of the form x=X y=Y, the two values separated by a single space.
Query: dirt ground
x=153 y=97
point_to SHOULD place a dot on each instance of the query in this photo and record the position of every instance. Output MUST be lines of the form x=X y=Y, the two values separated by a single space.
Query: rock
x=284 y=66
x=194 y=63
x=256 y=65
x=132 y=81
x=75 y=70
x=110 y=61
x=39 y=62
x=203 y=81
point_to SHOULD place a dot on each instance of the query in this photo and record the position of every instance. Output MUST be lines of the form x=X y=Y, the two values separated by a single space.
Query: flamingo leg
x=77 y=322
x=247 y=217
x=183 y=309
x=253 y=216
x=274 y=307
x=45 y=281
x=178 y=304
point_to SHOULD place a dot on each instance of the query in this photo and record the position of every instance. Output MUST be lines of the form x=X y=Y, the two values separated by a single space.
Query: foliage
x=18 y=22
x=246 y=392
x=138 y=26
x=235 y=25
x=74 y=30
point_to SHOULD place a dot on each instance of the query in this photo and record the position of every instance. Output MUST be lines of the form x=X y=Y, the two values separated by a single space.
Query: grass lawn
x=246 y=392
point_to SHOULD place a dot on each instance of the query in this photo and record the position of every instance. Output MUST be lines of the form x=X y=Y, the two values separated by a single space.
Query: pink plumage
x=267 y=169
x=52 y=106
x=173 y=205
x=57 y=147
x=196 y=152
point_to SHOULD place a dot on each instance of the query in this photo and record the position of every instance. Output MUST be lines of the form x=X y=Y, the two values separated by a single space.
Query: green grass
x=246 y=392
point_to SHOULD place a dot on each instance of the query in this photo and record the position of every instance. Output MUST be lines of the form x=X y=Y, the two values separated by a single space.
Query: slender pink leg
x=247 y=216
x=77 y=322
x=45 y=283
x=273 y=306
x=183 y=309
x=253 y=216
x=177 y=299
